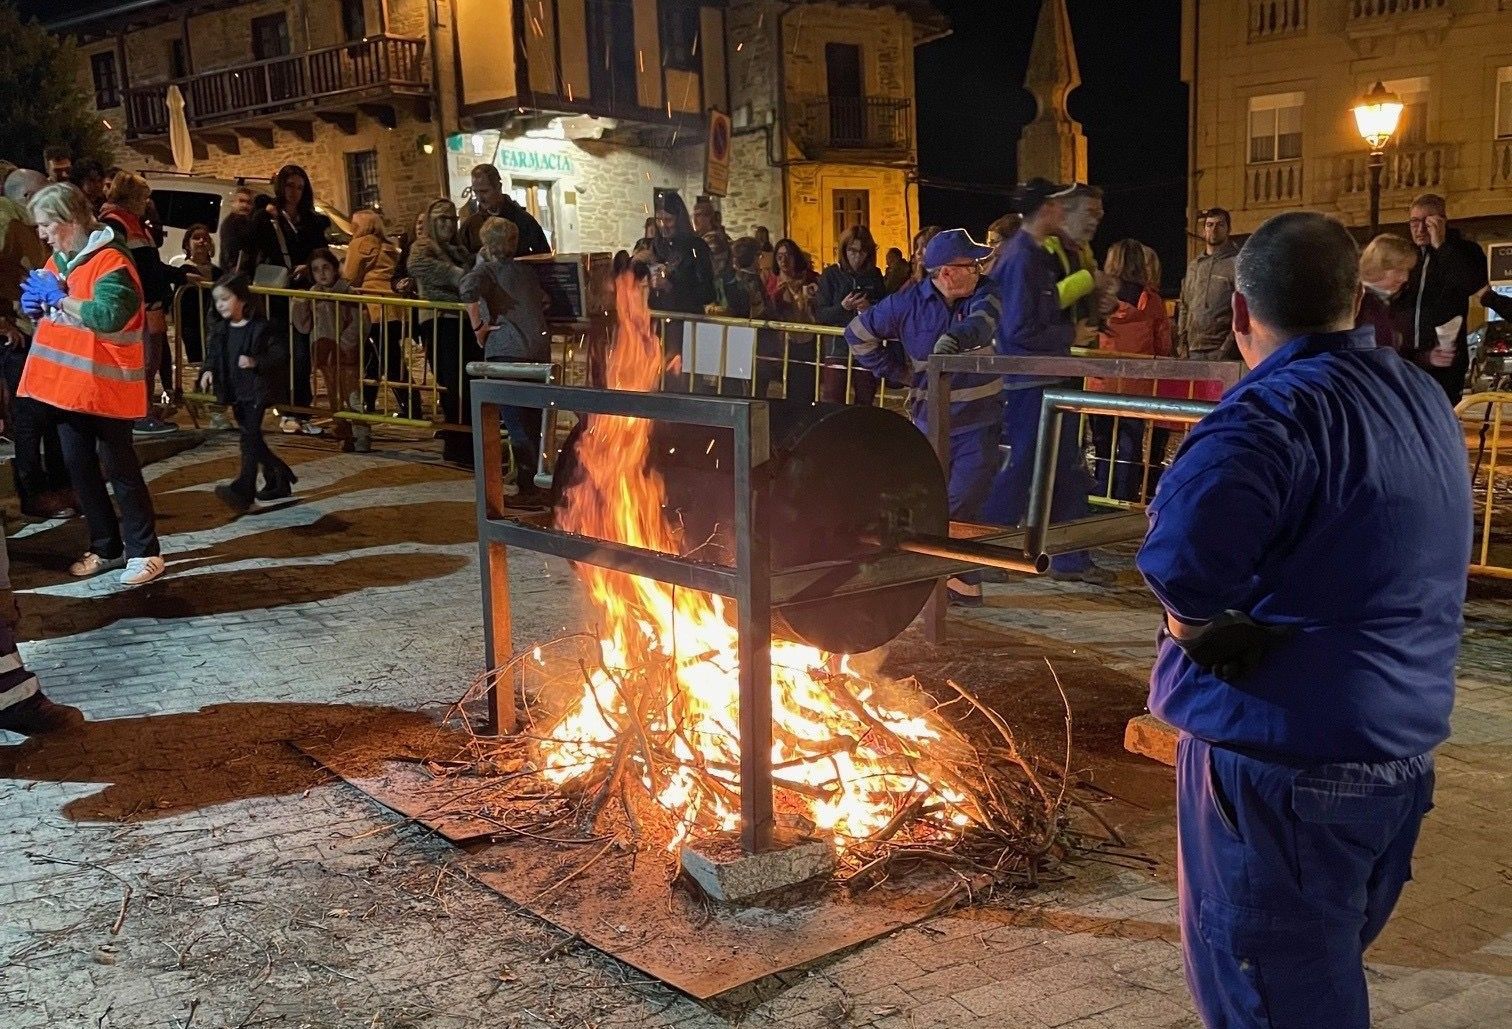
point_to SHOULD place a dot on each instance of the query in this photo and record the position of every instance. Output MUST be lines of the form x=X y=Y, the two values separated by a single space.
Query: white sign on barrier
x=701 y=349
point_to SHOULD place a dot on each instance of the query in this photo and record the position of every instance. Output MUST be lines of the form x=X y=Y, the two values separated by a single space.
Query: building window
x=679 y=34
x=1275 y=127
x=1504 y=102
x=1412 y=128
x=178 y=60
x=535 y=197
x=851 y=207
x=353 y=21
x=102 y=67
x=362 y=179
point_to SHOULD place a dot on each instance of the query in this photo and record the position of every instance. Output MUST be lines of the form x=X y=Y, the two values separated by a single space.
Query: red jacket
x=1140 y=325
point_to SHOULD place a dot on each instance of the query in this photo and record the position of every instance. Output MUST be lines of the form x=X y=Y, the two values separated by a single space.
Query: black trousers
x=90 y=442
x=255 y=453
x=38 y=466
x=385 y=355
x=449 y=361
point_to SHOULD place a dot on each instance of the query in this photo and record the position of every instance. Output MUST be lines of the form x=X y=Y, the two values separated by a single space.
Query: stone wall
x=755 y=187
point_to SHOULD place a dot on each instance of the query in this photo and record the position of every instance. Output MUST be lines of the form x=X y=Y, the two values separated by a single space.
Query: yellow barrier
x=1491 y=482
x=364 y=358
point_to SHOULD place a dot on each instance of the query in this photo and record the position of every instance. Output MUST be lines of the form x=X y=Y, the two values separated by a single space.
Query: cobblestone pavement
x=176 y=864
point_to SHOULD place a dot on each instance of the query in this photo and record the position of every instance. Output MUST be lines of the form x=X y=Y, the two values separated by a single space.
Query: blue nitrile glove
x=47 y=288
x=31 y=301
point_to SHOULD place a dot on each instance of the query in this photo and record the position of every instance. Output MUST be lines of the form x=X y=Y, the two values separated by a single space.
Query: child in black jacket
x=245 y=359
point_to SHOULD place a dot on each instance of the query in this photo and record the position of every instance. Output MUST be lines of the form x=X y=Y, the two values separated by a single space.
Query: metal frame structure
x=751 y=582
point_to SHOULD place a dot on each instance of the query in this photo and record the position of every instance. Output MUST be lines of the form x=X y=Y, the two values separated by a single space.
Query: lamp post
x=1376 y=116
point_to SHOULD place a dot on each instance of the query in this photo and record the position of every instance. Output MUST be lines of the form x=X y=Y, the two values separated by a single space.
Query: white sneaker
x=289 y=425
x=142 y=570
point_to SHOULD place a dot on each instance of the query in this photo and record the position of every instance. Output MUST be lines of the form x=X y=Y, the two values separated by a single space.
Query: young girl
x=334 y=329
x=245 y=360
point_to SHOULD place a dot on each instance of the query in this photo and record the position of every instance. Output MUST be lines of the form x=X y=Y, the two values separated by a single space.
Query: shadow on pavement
x=156 y=766
x=44 y=616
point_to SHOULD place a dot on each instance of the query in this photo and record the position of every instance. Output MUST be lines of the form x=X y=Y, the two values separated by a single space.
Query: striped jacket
x=893 y=340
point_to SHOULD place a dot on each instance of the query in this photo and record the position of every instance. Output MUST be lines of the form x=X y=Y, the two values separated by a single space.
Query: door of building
x=842 y=72
x=535 y=197
x=279 y=80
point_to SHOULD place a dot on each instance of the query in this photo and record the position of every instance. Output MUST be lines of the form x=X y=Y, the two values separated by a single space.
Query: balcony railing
x=1271 y=18
x=308 y=79
x=847 y=123
x=1501 y=163
x=1274 y=184
x=1364 y=10
x=1407 y=169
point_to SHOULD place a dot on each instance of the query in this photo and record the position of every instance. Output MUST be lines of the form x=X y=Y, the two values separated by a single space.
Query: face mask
x=1382 y=294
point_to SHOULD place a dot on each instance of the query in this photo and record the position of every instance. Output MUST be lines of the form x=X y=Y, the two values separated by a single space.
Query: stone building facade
x=1273 y=83
x=598 y=106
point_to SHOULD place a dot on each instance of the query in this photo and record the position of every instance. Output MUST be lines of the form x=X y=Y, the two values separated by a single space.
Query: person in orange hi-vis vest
x=86 y=364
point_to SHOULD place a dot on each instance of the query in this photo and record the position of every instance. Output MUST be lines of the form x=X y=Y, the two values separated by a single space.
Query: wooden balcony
x=1272 y=19
x=313 y=81
x=1273 y=184
x=882 y=128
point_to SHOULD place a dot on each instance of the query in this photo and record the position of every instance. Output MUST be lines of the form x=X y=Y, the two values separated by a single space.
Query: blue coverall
x=893 y=340
x=1328 y=492
x=1034 y=323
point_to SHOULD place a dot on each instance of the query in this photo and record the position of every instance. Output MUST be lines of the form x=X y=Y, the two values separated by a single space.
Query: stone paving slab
x=264 y=893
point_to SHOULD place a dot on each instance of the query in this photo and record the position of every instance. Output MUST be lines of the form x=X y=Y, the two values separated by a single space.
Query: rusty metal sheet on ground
x=385 y=761
x=624 y=906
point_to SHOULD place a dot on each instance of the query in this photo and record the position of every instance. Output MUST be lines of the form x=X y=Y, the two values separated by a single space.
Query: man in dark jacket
x=238 y=251
x=1204 y=323
x=490 y=201
x=1450 y=270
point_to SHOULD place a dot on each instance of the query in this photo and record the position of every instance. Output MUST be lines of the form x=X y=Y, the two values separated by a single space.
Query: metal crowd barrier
x=1490 y=481
x=404 y=365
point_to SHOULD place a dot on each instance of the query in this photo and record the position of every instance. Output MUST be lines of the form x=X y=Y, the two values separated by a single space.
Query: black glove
x=947 y=344
x=1232 y=645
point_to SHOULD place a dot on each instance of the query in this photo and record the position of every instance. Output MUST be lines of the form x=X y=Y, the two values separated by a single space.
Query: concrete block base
x=1149 y=736
x=726 y=874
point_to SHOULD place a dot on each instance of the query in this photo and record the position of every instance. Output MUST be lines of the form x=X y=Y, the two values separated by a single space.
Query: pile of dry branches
x=1017 y=825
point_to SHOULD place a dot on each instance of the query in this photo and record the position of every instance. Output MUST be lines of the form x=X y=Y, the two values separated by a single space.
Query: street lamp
x=1376 y=115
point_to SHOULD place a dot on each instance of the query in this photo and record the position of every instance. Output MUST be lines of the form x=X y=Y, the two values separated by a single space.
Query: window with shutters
x=107 y=85
x=1275 y=127
x=362 y=179
x=851 y=207
x=1504 y=103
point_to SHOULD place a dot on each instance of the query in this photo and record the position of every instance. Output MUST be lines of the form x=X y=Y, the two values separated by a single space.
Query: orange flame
x=669 y=666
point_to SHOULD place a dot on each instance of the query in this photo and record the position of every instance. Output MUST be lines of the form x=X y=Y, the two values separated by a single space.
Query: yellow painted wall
x=711 y=48
x=893 y=206
x=539 y=29
x=484 y=28
x=648 y=81
x=572 y=14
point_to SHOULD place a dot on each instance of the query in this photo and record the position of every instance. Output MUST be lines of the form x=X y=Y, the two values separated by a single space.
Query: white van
x=185 y=200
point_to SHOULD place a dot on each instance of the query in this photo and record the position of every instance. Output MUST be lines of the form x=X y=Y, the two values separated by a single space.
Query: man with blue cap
x=1311 y=559
x=952 y=310
x=1027 y=278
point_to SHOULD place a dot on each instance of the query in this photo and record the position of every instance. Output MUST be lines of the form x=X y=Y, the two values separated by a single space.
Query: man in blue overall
x=1027 y=277
x=1309 y=546
x=951 y=311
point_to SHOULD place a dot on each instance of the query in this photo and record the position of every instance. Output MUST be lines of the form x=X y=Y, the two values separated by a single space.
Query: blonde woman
x=372 y=262
x=437 y=263
x=1386 y=264
x=125 y=205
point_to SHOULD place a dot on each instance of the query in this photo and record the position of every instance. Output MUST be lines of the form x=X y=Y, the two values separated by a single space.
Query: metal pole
x=1377 y=162
x=937 y=421
x=1042 y=485
x=753 y=603
x=493 y=566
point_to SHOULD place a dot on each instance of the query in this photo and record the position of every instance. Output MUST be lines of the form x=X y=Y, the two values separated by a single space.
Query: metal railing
x=1490 y=481
x=856 y=123
x=280 y=83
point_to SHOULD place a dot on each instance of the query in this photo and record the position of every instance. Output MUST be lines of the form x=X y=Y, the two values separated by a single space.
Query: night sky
x=1131 y=104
